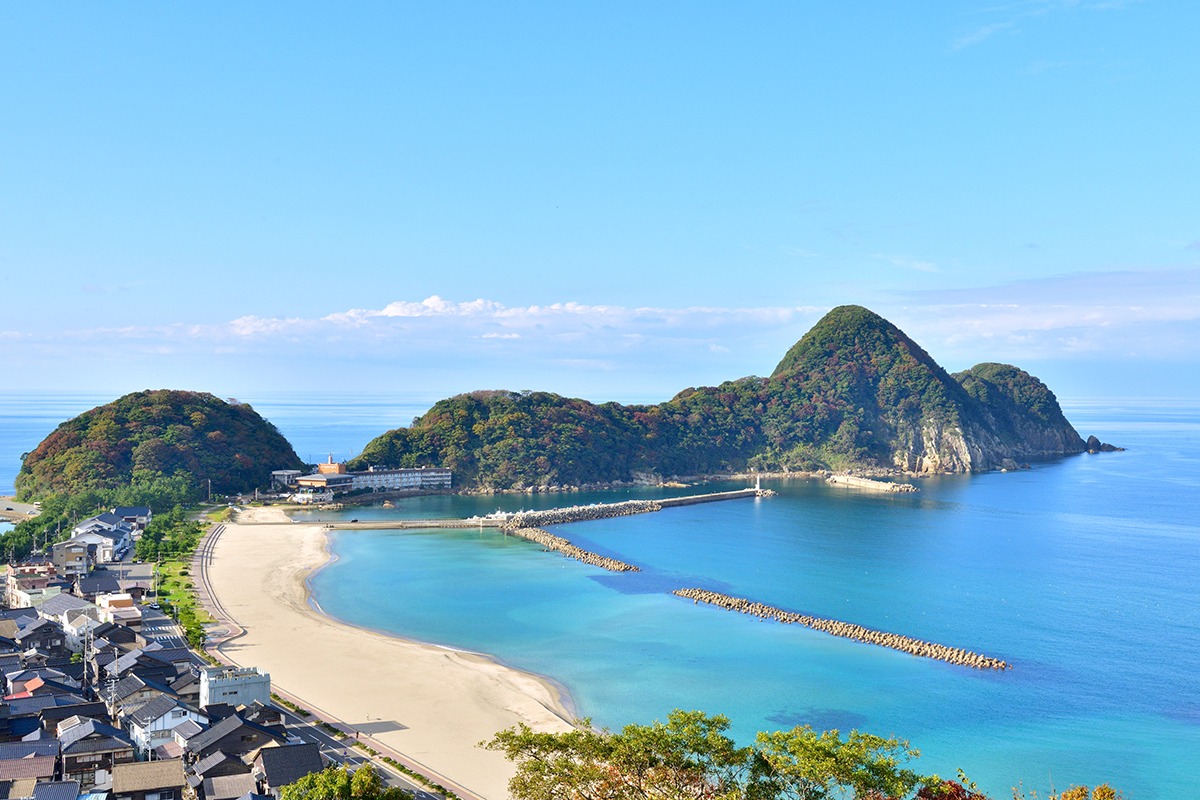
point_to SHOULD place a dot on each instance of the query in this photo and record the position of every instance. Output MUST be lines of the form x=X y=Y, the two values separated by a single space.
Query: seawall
x=847 y=630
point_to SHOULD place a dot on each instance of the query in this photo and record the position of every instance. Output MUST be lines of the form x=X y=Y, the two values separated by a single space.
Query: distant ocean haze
x=1081 y=572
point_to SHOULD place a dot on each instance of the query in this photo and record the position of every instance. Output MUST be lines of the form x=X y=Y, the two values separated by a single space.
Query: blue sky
x=611 y=200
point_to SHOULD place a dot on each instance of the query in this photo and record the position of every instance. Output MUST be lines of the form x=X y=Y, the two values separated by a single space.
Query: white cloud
x=908 y=263
x=1154 y=314
x=602 y=349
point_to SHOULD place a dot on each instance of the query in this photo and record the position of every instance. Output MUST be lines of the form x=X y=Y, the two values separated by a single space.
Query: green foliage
x=691 y=757
x=804 y=763
x=157 y=444
x=854 y=391
x=169 y=535
x=339 y=783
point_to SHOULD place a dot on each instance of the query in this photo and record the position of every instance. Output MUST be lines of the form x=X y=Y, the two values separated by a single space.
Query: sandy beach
x=430 y=703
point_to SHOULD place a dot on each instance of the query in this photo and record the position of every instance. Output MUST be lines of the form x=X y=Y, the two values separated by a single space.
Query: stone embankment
x=871 y=485
x=905 y=644
x=561 y=516
x=552 y=542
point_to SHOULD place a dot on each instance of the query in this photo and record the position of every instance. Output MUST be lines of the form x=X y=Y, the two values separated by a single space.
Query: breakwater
x=561 y=545
x=561 y=516
x=712 y=497
x=847 y=630
x=855 y=482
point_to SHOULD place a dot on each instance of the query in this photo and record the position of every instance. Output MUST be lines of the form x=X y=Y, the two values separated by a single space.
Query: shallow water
x=1081 y=573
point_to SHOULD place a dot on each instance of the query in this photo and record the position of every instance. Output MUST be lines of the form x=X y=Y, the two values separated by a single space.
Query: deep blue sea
x=1084 y=573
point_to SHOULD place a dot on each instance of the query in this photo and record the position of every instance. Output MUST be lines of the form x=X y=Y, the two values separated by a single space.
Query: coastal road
x=13 y=511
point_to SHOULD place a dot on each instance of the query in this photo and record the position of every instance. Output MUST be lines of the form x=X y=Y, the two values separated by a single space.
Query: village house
x=275 y=767
x=71 y=558
x=218 y=766
x=119 y=608
x=133 y=692
x=56 y=790
x=136 y=517
x=43 y=635
x=90 y=749
x=148 y=780
x=106 y=535
x=233 y=736
x=94 y=584
x=152 y=723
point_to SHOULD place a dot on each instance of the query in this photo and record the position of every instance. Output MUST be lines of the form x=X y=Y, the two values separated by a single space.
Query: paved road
x=11 y=510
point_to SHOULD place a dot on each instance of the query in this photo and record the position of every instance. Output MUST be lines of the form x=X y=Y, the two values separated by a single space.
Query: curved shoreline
x=563 y=705
x=429 y=703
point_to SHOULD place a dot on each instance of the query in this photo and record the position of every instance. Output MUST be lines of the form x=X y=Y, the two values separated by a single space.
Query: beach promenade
x=430 y=704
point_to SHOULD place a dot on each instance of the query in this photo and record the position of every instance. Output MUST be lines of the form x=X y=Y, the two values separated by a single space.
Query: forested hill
x=187 y=438
x=855 y=391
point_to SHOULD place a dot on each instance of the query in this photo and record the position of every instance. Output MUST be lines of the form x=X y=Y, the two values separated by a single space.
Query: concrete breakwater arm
x=905 y=644
x=560 y=516
x=552 y=542
x=870 y=485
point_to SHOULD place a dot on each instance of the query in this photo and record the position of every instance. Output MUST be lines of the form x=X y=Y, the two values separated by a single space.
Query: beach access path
x=430 y=704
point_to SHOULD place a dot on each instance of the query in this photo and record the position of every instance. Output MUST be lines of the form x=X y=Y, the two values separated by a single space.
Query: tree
x=691 y=758
x=688 y=757
x=804 y=764
x=338 y=783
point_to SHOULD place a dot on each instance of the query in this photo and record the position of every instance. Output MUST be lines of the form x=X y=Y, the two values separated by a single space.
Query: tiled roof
x=131 y=511
x=56 y=790
x=145 y=776
x=202 y=741
x=28 y=767
x=188 y=729
x=62 y=603
x=153 y=709
x=290 y=762
x=91 y=736
x=228 y=787
x=40 y=747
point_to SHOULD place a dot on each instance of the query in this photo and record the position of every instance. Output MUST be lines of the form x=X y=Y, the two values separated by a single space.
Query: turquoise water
x=1082 y=573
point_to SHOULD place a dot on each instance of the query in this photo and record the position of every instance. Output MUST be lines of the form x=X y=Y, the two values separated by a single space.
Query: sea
x=1082 y=572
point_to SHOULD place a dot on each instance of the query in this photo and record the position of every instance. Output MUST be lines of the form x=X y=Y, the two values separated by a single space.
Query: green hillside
x=154 y=435
x=855 y=391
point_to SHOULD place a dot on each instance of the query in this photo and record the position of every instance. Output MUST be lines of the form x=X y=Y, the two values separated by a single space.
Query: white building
x=379 y=480
x=234 y=685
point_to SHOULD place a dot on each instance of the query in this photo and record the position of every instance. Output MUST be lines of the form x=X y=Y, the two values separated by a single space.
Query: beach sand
x=430 y=703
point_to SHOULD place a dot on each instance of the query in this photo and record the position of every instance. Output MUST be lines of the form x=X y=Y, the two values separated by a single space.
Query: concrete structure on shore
x=870 y=485
x=234 y=685
x=332 y=478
